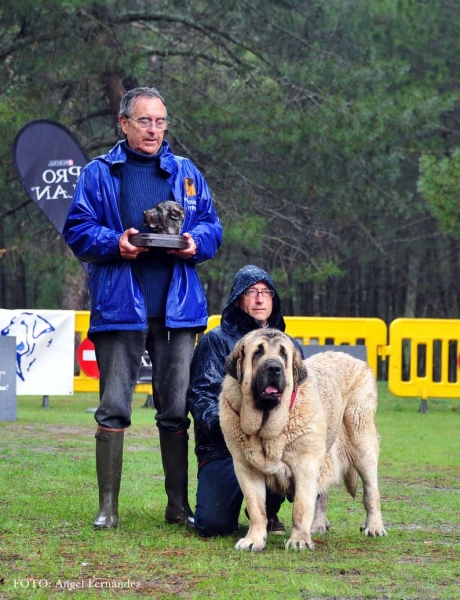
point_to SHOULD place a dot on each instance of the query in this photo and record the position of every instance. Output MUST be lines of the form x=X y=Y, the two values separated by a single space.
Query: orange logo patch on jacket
x=189 y=187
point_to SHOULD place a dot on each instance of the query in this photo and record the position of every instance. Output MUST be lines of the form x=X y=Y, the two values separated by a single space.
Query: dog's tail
x=351 y=481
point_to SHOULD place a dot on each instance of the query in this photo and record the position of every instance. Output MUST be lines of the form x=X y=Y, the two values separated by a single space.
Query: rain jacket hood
x=233 y=318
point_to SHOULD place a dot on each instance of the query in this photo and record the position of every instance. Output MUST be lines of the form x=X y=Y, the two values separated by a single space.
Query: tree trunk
x=74 y=290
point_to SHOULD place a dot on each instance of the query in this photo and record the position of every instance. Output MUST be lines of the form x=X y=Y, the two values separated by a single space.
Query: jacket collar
x=117 y=156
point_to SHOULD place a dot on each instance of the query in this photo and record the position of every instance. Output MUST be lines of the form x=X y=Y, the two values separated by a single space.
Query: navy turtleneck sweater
x=143 y=185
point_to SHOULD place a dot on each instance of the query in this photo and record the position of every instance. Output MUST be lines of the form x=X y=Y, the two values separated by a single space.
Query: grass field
x=48 y=500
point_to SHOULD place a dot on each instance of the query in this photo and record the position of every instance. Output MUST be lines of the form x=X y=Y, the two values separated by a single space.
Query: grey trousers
x=119 y=355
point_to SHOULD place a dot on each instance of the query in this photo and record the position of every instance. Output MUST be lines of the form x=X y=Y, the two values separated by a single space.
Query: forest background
x=328 y=132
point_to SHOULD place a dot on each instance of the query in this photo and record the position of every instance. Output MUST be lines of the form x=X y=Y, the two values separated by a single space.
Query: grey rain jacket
x=207 y=369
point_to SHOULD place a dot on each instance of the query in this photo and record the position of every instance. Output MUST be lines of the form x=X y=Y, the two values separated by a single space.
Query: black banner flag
x=48 y=159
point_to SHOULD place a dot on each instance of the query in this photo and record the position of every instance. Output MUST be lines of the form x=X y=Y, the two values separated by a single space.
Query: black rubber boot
x=174 y=455
x=273 y=504
x=109 y=459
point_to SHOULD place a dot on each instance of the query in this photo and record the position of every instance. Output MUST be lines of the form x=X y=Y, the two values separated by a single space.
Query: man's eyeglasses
x=252 y=293
x=145 y=123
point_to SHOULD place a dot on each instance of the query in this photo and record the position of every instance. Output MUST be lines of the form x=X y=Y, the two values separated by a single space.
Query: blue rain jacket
x=93 y=228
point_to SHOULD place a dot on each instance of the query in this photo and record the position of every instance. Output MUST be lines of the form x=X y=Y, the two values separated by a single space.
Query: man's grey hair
x=130 y=98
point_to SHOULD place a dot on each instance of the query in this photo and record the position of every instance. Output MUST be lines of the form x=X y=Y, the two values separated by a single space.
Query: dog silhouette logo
x=27 y=327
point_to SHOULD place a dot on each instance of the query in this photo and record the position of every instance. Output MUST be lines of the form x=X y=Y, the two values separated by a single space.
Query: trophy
x=165 y=220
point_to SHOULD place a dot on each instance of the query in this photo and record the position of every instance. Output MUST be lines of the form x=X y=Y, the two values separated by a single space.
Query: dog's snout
x=273 y=367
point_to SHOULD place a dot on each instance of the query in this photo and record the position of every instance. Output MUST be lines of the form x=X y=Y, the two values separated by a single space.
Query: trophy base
x=158 y=240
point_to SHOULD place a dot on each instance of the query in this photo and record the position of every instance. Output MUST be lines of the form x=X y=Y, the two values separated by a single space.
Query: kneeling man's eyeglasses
x=254 y=293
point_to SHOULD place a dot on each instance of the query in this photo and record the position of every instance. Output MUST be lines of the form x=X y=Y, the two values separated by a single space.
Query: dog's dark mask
x=268 y=385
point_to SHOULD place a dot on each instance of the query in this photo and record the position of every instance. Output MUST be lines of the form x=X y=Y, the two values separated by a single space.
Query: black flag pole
x=48 y=160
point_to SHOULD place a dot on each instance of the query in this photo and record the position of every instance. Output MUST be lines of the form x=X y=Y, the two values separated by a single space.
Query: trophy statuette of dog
x=165 y=221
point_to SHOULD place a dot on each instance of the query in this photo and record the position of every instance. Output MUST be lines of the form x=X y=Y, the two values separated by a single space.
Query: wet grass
x=49 y=496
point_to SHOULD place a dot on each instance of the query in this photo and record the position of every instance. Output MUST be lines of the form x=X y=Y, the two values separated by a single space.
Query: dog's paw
x=320 y=527
x=300 y=543
x=251 y=543
x=373 y=528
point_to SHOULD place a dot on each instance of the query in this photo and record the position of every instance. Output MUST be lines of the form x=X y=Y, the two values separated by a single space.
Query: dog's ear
x=234 y=362
x=299 y=370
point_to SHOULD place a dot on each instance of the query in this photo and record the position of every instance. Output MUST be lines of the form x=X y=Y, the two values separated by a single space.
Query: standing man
x=142 y=298
x=253 y=303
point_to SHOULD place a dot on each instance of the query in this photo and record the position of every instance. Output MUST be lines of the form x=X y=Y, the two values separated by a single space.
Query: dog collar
x=234 y=410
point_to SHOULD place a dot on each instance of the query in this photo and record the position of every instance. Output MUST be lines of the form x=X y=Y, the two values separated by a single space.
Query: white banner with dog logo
x=45 y=348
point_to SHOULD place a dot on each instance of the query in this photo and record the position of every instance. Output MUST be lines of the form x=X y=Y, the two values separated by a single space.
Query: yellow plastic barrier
x=424 y=355
x=307 y=330
x=338 y=331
